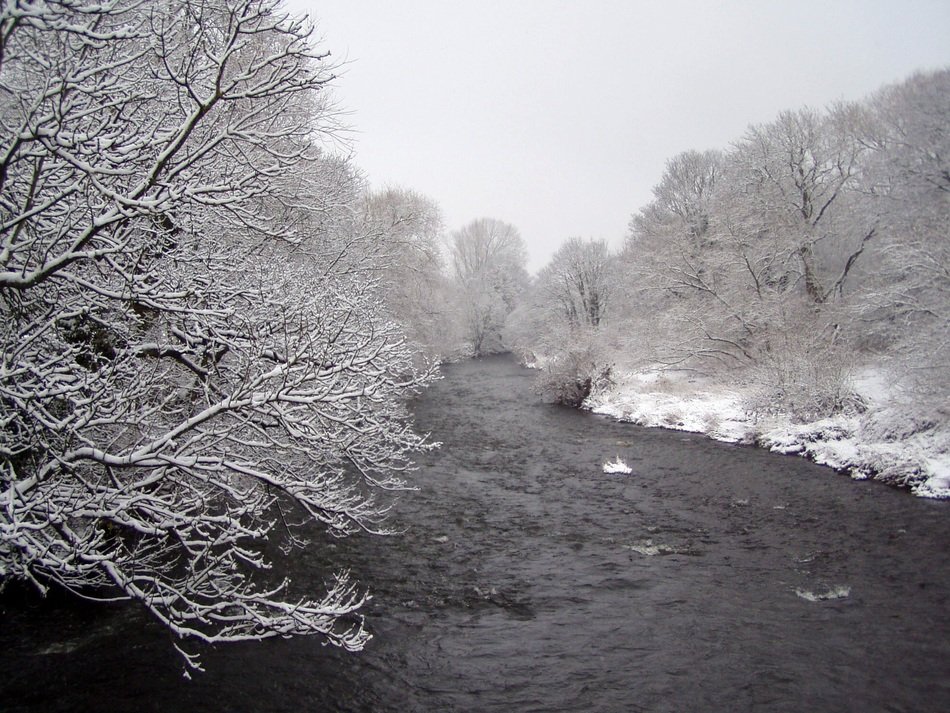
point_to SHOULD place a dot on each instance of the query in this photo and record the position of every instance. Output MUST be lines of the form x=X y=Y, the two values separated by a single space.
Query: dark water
x=528 y=580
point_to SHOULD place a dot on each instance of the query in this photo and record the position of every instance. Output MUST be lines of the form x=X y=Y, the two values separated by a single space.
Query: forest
x=212 y=322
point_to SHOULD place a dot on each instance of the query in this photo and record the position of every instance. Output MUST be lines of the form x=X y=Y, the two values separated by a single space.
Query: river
x=713 y=578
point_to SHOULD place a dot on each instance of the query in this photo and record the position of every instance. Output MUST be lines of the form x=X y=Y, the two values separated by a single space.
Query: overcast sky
x=558 y=117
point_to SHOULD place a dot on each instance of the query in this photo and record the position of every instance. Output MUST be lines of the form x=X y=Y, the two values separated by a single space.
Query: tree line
x=815 y=244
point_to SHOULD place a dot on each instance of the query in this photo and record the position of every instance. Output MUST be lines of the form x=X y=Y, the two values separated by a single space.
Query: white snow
x=617 y=466
x=881 y=443
x=840 y=592
x=648 y=548
x=669 y=401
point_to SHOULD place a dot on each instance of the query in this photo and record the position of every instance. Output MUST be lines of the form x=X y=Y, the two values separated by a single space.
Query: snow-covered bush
x=572 y=374
x=803 y=378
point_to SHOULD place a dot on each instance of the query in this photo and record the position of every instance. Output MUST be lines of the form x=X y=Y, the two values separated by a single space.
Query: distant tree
x=580 y=280
x=190 y=361
x=415 y=285
x=669 y=257
x=560 y=320
x=682 y=202
x=488 y=263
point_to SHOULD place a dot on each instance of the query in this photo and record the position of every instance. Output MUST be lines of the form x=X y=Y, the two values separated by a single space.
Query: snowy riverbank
x=883 y=442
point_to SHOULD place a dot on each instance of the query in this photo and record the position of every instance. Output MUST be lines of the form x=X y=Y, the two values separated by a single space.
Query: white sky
x=558 y=116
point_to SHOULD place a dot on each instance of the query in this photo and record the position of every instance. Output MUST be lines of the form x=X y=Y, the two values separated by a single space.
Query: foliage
x=194 y=348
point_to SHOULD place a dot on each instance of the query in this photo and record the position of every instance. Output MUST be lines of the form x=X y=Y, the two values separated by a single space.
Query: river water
x=713 y=578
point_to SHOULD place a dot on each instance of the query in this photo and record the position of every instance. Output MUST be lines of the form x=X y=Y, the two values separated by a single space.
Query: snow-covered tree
x=186 y=368
x=685 y=295
x=816 y=238
x=560 y=322
x=669 y=264
x=488 y=263
x=680 y=212
x=789 y=184
x=905 y=299
x=415 y=284
x=749 y=253
x=579 y=281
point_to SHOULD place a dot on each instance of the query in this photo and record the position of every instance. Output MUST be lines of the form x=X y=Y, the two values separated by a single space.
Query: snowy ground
x=875 y=444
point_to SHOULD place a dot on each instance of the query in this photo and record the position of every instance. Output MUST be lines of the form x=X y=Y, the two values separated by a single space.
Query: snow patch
x=883 y=443
x=617 y=466
x=666 y=401
x=648 y=548
x=840 y=592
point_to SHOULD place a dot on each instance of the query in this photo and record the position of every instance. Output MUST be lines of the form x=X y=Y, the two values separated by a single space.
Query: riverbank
x=884 y=441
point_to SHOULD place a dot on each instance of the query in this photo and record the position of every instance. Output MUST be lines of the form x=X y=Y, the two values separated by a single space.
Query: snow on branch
x=176 y=375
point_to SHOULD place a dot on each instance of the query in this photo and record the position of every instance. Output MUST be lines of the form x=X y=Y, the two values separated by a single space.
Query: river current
x=712 y=578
